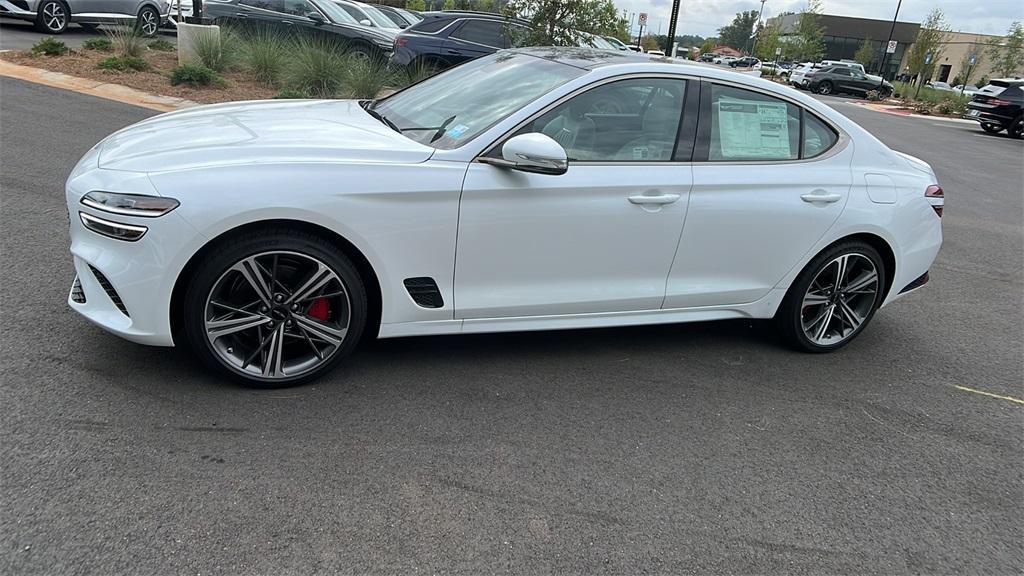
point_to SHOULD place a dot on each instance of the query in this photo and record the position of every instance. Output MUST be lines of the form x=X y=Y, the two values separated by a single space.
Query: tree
x=417 y=5
x=866 y=54
x=927 y=47
x=1008 y=56
x=807 y=44
x=707 y=46
x=649 y=43
x=448 y=5
x=768 y=39
x=736 y=34
x=564 y=22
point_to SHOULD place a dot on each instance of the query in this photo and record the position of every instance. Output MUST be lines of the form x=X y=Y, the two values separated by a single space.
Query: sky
x=705 y=17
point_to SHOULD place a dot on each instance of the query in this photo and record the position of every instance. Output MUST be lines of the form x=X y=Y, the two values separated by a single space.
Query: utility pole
x=759 y=14
x=885 y=55
x=672 y=27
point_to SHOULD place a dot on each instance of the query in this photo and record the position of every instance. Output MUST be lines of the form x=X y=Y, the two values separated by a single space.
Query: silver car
x=53 y=16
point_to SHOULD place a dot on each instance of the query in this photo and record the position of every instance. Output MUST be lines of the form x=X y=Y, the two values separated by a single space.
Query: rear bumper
x=993 y=116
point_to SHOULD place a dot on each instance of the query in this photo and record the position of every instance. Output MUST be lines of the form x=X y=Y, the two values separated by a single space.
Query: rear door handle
x=822 y=197
x=654 y=199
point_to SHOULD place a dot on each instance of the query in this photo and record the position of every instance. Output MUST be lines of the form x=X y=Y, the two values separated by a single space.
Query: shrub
x=365 y=78
x=951 y=107
x=126 y=41
x=195 y=75
x=291 y=93
x=98 y=43
x=874 y=95
x=162 y=45
x=265 y=54
x=922 y=107
x=317 y=68
x=124 y=64
x=50 y=46
x=421 y=70
x=218 y=52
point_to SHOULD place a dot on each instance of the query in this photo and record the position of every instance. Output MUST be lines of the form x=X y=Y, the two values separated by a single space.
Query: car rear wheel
x=825 y=88
x=52 y=17
x=148 y=21
x=833 y=299
x=275 y=308
x=1016 y=130
x=991 y=128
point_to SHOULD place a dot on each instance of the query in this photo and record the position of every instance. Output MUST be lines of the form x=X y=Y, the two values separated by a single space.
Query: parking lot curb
x=96 y=88
x=889 y=109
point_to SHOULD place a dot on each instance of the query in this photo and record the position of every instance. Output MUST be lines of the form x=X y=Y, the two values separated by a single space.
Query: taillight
x=399 y=42
x=999 y=102
x=936 y=197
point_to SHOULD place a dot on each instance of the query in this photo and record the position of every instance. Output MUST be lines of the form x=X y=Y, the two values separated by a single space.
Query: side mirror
x=534 y=152
x=366 y=22
x=316 y=17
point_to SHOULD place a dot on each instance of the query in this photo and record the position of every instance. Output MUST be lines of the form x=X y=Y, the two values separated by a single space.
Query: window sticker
x=457 y=130
x=753 y=129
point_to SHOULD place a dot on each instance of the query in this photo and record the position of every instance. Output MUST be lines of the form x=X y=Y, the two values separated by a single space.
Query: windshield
x=378 y=17
x=412 y=18
x=449 y=109
x=335 y=13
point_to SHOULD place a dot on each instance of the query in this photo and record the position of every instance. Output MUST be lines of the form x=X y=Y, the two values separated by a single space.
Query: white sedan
x=532 y=189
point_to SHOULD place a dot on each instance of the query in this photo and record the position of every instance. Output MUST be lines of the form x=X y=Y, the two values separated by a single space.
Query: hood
x=258 y=132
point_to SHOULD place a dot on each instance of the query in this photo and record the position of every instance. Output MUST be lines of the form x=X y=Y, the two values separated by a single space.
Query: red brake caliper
x=320 y=309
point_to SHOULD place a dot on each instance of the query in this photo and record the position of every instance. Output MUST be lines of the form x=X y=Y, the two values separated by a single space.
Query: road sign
x=778 y=51
x=974 y=59
x=643 y=19
x=891 y=48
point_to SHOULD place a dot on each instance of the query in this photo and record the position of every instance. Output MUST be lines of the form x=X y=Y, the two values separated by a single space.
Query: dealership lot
x=679 y=449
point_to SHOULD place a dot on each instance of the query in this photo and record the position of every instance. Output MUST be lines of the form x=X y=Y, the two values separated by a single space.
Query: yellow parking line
x=983 y=393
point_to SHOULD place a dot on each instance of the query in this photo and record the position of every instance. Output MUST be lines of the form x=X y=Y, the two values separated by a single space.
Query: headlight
x=130 y=204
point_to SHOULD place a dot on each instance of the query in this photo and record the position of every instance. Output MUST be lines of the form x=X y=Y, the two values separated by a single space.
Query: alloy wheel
x=277 y=315
x=54 y=16
x=839 y=299
x=148 y=22
x=825 y=88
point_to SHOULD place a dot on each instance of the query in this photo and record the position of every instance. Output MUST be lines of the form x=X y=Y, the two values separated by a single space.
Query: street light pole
x=759 y=14
x=672 y=27
x=885 y=54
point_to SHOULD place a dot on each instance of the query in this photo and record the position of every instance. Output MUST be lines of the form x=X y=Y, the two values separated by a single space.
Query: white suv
x=53 y=16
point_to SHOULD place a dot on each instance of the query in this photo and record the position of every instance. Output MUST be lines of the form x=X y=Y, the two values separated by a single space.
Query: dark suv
x=998 y=106
x=445 y=39
x=843 y=79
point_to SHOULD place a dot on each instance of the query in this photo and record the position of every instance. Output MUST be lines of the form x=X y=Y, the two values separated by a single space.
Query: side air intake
x=424 y=292
x=109 y=289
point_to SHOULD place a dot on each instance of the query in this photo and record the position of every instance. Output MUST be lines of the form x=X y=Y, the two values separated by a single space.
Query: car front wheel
x=52 y=17
x=825 y=88
x=1016 y=130
x=275 y=308
x=833 y=298
x=148 y=21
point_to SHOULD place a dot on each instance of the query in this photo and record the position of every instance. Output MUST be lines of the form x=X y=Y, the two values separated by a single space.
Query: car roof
x=593 y=58
x=453 y=14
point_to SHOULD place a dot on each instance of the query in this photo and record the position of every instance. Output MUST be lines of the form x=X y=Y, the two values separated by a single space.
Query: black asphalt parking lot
x=695 y=449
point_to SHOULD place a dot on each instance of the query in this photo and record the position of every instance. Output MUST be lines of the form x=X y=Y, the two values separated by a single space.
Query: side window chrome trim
x=690 y=79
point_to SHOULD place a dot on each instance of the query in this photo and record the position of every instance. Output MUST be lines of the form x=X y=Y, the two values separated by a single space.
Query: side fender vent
x=424 y=292
x=109 y=289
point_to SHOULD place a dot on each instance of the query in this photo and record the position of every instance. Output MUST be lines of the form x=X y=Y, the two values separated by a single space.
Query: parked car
x=968 y=90
x=616 y=43
x=656 y=52
x=943 y=86
x=707 y=57
x=745 y=62
x=723 y=59
x=271 y=237
x=798 y=75
x=999 y=106
x=304 y=17
x=367 y=15
x=403 y=18
x=54 y=16
x=445 y=39
x=844 y=80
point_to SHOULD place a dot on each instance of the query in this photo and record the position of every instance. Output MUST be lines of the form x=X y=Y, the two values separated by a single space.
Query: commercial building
x=954 y=58
x=845 y=35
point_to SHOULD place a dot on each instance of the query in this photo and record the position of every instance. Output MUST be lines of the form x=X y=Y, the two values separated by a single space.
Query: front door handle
x=821 y=196
x=654 y=199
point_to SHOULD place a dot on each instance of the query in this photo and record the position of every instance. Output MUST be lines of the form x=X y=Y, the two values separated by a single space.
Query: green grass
x=219 y=52
x=98 y=43
x=317 y=68
x=928 y=94
x=162 y=45
x=366 y=78
x=266 y=54
x=49 y=46
x=196 y=76
x=126 y=41
x=124 y=64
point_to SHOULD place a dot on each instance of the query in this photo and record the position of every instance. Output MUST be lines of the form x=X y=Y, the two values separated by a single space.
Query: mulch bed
x=82 y=63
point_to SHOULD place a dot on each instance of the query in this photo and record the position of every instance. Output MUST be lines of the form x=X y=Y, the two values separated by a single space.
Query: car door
x=473 y=38
x=261 y=13
x=860 y=83
x=599 y=238
x=762 y=196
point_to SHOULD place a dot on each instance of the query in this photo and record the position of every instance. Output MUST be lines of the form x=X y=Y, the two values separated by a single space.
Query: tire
x=1016 y=129
x=824 y=88
x=844 y=313
x=991 y=128
x=364 y=52
x=147 y=22
x=53 y=17
x=221 y=298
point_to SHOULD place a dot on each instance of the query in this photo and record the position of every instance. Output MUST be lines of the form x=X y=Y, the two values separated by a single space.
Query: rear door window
x=482 y=32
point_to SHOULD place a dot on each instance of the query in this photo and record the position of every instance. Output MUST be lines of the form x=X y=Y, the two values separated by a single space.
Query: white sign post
x=643 y=19
x=891 y=48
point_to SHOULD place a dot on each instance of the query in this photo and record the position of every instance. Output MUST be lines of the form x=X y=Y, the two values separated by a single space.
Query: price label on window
x=753 y=129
